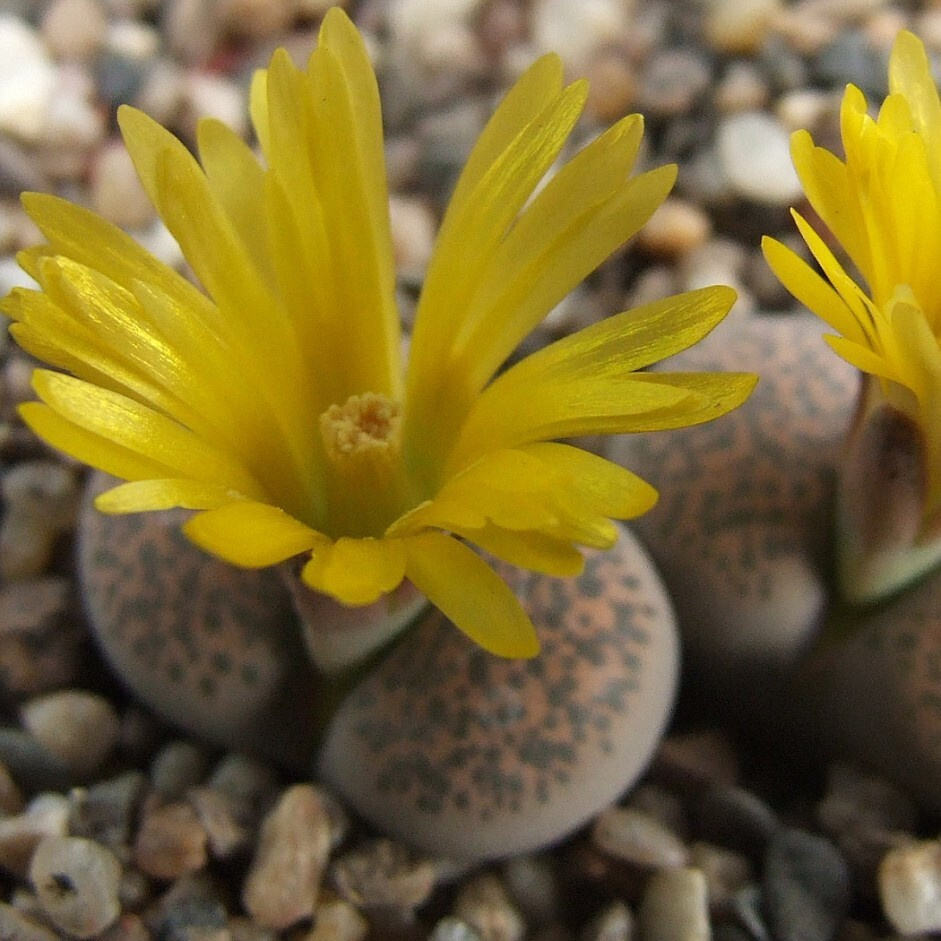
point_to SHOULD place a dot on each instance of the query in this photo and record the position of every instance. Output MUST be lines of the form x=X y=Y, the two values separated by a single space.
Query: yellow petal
x=140 y=429
x=252 y=535
x=469 y=593
x=583 y=384
x=356 y=571
x=163 y=494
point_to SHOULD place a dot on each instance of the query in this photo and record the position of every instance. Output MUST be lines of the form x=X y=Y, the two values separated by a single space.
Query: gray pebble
x=672 y=81
x=188 y=911
x=244 y=778
x=76 y=881
x=852 y=58
x=805 y=887
x=33 y=767
x=736 y=819
x=178 y=766
x=107 y=810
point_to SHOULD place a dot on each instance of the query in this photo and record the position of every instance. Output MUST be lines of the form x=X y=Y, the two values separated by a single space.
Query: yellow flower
x=275 y=402
x=883 y=205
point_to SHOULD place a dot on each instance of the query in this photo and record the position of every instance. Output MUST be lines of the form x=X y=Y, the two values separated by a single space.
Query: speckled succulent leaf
x=882 y=203
x=272 y=400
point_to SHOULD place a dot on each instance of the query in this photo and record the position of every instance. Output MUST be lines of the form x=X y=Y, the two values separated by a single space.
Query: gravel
x=111 y=826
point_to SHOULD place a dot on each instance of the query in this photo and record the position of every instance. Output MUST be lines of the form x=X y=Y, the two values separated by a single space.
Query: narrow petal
x=249 y=534
x=470 y=594
x=356 y=571
x=162 y=494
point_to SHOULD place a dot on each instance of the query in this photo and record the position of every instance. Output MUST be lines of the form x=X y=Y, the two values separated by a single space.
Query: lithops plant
x=272 y=407
x=857 y=631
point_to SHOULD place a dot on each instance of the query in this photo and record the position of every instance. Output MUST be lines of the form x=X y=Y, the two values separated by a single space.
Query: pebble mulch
x=110 y=826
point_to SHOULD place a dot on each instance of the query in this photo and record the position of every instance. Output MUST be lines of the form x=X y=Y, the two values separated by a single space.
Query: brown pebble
x=219 y=815
x=171 y=842
x=74 y=29
x=338 y=920
x=676 y=227
x=293 y=845
x=39 y=641
x=484 y=904
x=383 y=874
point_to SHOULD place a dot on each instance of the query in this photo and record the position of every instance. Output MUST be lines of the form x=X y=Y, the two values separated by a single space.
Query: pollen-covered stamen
x=365 y=477
x=363 y=423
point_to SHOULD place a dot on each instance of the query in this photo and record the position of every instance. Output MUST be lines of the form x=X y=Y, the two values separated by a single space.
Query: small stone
x=736 y=819
x=910 y=887
x=134 y=41
x=27 y=80
x=805 y=887
x=741 y=88
x=116 y=190
x=694 y=761
x=675 y=907
x=284 y=879
x=755 y=151
x=107 y=810
x=337 y=920
x=74 y=29
x=45 y=815
x=32 y=766
x=171 y=842
x=855 y=799
x=74 y=126
x=383 y=874
x=613 y=923
x=533 y=885
x=726 y=872
x=413 y=235
x=192 y=29
x=41 y=501
x=206 y=95
x=177 y=767
x=218 y=813
x=612 y=87
x=78 y=727
x=484 y=904
x=255 y=19
x=244 y=779
x=76 y=881
x=639 y=839
x=17 y=926
x=806 y=108
x=672 y=82
x=453 y=929
x=40 y=639
x=738 y=27
x=190 y=910
x=575 y=31
x=676 y=227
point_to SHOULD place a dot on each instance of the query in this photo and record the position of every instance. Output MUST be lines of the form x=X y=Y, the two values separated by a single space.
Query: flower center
x=365 y=477
x=363 y=423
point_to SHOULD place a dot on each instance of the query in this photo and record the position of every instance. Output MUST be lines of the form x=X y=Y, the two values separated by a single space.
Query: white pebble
x=754 y=148
x=577 y=30
x=77 y=727
x=116 y=191
x=137 y=41
x=484 y=905
x=638 y=838
x=74 y=29
x=739 y=26
x=206 y=95
x=413 y=235
x=910 y=887
x=77 y=882
x=27 y=80
x=45 y=815
x=675 y=907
